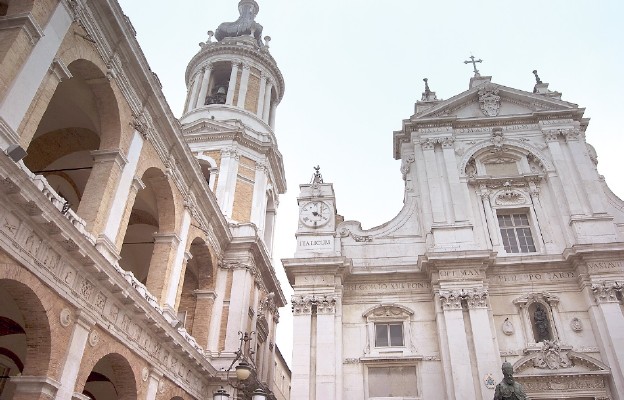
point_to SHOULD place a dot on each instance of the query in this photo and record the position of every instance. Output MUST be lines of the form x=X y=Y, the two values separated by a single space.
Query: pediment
x=554 y=359
x=491 y=100
x=209 y=125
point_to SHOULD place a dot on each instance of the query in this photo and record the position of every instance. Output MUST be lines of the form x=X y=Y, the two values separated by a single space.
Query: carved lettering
x=532 y=277
x=391 y=286
x=605 y=266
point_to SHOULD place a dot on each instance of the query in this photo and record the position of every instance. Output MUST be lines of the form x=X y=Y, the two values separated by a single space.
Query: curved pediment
x=394 y=311
x=554 y=359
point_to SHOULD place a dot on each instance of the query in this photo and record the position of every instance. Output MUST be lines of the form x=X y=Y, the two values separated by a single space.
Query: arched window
x=388 y=328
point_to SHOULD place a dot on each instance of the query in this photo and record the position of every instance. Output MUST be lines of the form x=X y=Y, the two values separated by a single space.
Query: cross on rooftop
x=474 y=64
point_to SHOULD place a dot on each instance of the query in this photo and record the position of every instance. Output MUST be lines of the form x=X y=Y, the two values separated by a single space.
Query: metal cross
x=474 y=64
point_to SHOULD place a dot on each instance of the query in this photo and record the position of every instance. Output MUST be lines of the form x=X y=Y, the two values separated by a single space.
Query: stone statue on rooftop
x=244 y=25
x=508 y=388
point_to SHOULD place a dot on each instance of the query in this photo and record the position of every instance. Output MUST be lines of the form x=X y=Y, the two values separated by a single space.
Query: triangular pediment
x=491 y=100
x=205 y=125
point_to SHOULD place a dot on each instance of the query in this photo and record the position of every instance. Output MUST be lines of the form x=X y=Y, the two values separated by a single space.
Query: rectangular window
x=516 y=233
x=388 y=335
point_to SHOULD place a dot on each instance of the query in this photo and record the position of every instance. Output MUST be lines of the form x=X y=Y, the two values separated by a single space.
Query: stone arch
x=80 y=121
x=32 y=346
x=149 y=239
x=111 y=378
x=196 y=291
x=399 y=309
x=209 y=168
x=513 y=145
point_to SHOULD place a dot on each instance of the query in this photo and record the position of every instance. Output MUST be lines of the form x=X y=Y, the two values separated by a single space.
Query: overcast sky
x=354 y=68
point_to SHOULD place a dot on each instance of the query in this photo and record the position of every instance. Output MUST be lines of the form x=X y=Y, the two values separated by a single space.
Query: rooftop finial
x=244 y=25
x=317 y=177
x=537 y=78
x=427 y=90
x=474 y=64
x=428 y=95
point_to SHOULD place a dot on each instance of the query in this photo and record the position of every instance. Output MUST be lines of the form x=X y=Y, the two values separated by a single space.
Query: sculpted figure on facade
x=508 y=388
x=541 y=324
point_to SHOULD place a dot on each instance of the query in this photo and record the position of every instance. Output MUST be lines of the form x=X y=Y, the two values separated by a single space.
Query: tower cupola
x=235 y=77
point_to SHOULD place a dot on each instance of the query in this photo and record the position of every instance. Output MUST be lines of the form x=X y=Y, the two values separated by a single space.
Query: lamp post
x=243 y=371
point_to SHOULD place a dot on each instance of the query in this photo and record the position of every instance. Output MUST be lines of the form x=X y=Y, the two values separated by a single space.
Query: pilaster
x=242 y=92
x=205 y=80
x=232 y=85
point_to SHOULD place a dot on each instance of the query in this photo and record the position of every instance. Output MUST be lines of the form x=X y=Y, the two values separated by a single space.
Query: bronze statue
x=244 y=25
x=508 y=388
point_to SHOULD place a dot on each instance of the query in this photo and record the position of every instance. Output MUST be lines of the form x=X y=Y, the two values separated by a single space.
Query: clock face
x=315 y=214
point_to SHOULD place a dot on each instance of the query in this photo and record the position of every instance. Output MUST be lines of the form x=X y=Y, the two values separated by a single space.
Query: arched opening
x=196 y=297
x=25 y=339
x=218 y=84
x=540 y=322
x=111 y=379
x=208 y=171
x=81 y=117
x=148 y=240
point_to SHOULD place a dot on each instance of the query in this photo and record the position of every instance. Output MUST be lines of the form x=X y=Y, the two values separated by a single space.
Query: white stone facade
x=509 y=247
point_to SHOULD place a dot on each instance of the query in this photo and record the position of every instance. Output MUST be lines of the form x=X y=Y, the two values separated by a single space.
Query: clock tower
x=317 y=218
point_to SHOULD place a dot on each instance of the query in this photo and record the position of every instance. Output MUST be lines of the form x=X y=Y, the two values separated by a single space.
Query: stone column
x=103 y=181
x=203 y=89
x=226 y=186
x=542 y=219
x=77 y=343
x=459 y=354
x=192 y=98
x=457 y=194
x=261 y=95
x=229 y=100
x=259 y=201
x=163 y=255
x=574 y=205
x=610 y=331
x=121 y=196
x=302 y=358
x=217 y=309
x=21 y=93
x=34 y=387
x=174 y=280
x=484 y=341
x=152 y=385
x=204 y=304
x=326 y=348
x=136 y=186
x=584 y=166
x=489 y=217
x=239 y=303
x=272 y=115
x=433 y=181
x=267 y=102
x=242 y=91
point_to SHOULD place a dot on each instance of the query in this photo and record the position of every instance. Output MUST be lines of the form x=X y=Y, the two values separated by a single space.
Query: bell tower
x=234 y=87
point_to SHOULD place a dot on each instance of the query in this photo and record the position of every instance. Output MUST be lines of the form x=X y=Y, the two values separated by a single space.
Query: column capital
x=168 y=238
x=205 y=294
x=35 y=385
x=606 y=292
x=447 y=142
x=102 y=156
x=427 y=144
x=452 y=299
x=303 y=304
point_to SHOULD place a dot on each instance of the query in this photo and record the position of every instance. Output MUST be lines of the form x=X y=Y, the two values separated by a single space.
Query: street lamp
x=243 y=372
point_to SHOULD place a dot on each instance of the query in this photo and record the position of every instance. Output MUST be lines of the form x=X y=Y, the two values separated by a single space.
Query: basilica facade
x=135 y=247
x=509 y=247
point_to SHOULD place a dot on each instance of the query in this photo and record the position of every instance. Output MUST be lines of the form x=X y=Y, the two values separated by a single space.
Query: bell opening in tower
x=219 y=82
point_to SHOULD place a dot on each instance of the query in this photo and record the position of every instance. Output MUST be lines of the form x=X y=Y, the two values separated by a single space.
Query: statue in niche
x=508 y=388
x=542 y=329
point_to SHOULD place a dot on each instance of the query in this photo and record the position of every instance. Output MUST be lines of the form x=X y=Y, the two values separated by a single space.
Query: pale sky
x=354 y=68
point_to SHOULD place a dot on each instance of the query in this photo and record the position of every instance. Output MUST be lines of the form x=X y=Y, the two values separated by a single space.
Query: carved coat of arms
x=489 y=101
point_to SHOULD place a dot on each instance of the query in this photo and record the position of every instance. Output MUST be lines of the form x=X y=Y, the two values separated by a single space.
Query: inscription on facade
x=312 y=243
x=532 y=277
x=605 y=266
x=464 y=273
x=385 y=287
